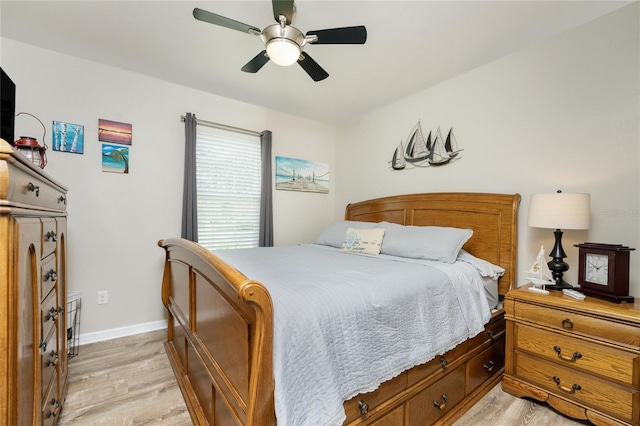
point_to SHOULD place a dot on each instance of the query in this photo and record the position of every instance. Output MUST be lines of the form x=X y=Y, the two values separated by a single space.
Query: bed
x=220 y=337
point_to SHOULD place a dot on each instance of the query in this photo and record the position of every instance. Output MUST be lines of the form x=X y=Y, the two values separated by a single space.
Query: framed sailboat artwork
x=432 y=151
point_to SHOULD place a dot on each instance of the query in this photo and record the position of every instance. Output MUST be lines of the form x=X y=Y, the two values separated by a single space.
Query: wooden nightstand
x=582 y=357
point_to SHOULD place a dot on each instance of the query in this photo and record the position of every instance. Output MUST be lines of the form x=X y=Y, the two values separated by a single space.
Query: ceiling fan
x=284 y=43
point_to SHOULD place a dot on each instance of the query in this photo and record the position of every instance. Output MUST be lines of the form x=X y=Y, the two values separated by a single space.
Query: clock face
x=596 y=268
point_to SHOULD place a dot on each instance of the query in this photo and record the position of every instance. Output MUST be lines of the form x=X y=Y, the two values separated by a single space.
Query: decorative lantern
x=30 y=148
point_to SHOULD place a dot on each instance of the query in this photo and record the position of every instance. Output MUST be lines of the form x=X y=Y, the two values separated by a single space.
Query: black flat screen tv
x=7 y=107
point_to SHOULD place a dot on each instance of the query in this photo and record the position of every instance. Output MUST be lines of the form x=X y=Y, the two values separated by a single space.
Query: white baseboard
x=114 y=333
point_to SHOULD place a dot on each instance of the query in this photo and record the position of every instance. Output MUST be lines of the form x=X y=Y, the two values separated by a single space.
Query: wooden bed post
x=261 y=386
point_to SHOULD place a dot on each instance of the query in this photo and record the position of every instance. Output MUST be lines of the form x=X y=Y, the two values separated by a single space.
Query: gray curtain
x=266 y=199
x=189 y=195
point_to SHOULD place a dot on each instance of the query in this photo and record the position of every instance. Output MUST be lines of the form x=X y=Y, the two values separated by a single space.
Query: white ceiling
x=411 y=45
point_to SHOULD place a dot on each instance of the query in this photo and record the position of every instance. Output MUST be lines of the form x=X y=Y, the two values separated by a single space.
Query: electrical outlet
x=103 y=297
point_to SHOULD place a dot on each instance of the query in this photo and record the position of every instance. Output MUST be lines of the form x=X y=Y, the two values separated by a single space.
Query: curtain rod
x=224 y=127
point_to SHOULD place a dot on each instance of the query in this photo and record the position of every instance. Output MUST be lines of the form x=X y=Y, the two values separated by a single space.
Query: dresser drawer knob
x=51 y=275
x=50 y=236
x=491 y=334
x=34 y=188
x=567 y=324
x=441 y=405
x=53 y=360
x=51 y=315
x=363 y=407
x=56 y=408
x=62 y=199
x=489 y=368
x=574 y=358
x=572 y=389
x=443 y=363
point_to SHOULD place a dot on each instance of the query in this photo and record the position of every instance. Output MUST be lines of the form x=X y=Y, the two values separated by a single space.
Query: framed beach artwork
x=293 y=174
x=114 y=132
x=68 y=137
x=115 y=158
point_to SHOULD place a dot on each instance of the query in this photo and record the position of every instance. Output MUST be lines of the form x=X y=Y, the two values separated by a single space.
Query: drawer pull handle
x=62 y=199
x=363 y=407
x=489 y=368
x=51 y=315
x=441 y=405
x=572 y=389
x=50 y=236
x=34 y=188
x=491 y=334
x=567 y=324
x=574 y=358
x=56 y=408
x=51 y=275
x=443 y=363
x=53 y=360
x=43 y=346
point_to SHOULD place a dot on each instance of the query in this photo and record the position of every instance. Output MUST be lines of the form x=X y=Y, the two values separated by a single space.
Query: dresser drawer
x=30 y=189
x=360 y=405
x=610 y=362
x=434 y=402
x=492 y=332
x=49 y=236
x=439 y=364
x=48 y=315
x=485 y=365
x=48 y=275
x=50 y=408
x=619 y=401
x=48 y=362
x=579 y=323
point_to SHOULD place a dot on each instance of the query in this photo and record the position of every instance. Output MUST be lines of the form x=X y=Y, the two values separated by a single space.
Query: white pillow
x=487 y=269
x=333 y=235
x=366 y=241
x=424 y=242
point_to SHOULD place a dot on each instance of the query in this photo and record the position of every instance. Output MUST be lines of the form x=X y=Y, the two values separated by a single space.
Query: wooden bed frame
x=220 y=325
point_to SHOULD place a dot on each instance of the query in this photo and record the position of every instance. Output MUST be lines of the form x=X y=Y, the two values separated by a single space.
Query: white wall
x=562 y=114
x=115 y=220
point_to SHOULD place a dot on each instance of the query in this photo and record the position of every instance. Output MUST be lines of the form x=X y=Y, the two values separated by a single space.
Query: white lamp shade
x=283 y=52
x=560 y=211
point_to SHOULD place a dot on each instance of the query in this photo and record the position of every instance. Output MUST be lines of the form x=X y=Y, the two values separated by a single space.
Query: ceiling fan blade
x=212 y=18
x=256 y=63
x=344 y=35
x=315 y=71
x=283 y=7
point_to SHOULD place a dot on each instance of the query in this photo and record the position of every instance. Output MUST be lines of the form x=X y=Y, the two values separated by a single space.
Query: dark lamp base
x=560 y=286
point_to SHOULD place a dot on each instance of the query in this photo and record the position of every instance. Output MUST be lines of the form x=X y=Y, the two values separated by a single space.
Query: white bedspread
x=372 y=317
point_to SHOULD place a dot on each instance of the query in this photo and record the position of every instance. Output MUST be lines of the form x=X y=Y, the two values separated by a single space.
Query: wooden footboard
x=220 y=326
x=220 y=337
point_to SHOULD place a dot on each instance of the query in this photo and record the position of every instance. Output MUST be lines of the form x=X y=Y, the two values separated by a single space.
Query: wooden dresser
x=582 y=357
x=33 y=339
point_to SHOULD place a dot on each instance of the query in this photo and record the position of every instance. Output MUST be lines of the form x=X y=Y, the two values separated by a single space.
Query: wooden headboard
x=492 y=217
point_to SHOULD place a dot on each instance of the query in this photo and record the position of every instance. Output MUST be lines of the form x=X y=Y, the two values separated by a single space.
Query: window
x=228 y=175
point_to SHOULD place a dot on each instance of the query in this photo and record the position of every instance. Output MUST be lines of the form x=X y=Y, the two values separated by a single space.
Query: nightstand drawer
x=579 y=323
x=618 y=401
x=612 y=363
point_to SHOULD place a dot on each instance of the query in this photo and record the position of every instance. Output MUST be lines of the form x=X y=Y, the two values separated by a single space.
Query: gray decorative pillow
x=423 y=242
x=334 y=234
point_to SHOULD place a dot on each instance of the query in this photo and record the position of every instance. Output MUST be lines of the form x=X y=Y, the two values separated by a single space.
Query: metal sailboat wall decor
x=425 y=152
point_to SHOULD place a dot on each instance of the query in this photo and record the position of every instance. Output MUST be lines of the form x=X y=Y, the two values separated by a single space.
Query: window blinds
x=228 y=169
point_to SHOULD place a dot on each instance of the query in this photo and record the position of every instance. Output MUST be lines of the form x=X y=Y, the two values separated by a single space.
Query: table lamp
x=559 y=211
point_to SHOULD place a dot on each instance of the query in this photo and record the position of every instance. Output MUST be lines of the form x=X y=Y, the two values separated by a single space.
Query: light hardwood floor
x=129 y=381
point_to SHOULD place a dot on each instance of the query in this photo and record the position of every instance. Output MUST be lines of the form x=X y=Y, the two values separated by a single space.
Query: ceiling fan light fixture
x=283 y=52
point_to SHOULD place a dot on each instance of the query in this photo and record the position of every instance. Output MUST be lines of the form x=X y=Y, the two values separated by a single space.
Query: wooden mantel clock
x=603 y=271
